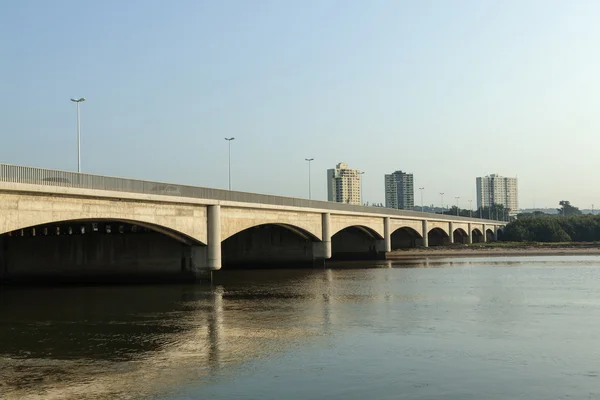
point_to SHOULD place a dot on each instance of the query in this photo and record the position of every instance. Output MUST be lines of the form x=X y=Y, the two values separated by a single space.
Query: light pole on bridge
x=457 y=197
x=81 y=99
x=421 y=189
x=442 y=196
x=309 y=160
x=470 y=208
x=229 y=145
x=361 y=186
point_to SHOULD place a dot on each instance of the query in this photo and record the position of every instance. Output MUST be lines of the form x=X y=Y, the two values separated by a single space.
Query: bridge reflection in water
x=68 y=342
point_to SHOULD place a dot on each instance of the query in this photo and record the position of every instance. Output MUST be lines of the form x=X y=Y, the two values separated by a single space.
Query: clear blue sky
x=447 y=90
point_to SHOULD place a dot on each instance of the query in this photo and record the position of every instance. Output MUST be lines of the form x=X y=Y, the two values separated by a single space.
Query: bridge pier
x=385 y=245
x=425 y=234
x=213 y=221
x=470 y=234
x=322 y=249
x=451 y=232
x=387 y=235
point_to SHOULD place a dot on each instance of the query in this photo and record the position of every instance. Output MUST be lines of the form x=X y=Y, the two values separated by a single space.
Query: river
x=460 y=328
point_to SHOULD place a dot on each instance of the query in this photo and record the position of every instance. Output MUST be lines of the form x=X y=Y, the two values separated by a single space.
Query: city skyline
x=390 y=76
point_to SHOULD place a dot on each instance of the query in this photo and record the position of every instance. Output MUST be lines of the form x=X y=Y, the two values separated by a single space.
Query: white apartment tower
x=399 y=190
x=343 y=184
x=495 y=189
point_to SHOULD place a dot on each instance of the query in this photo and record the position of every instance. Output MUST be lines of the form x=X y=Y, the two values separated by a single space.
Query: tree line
x=569 y=225
x=496 y=212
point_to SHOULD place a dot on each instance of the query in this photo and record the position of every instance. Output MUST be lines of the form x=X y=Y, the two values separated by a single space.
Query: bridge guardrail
x=49 y=177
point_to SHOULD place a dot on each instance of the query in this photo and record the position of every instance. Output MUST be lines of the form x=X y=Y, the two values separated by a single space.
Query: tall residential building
x=399 y=190
x=495 y=189
x=343 y=184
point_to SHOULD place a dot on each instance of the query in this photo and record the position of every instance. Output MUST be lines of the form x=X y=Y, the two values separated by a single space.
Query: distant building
x=495 y=189
x=343 y=184
x=399 y=190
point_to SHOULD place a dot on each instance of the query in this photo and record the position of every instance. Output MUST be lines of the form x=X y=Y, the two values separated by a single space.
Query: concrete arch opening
x=405 y=238
x=500 y=234
x=438 y=237
x=489 y=235
x=477 y=236
x=460 y=236
x=355 y=243
x=103 y=250
x=269 y=246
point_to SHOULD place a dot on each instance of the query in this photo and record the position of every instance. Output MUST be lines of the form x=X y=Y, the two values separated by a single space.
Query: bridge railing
x=49 y=177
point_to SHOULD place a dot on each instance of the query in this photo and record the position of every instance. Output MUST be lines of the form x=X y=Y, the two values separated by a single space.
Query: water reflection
x=60 y=342
x=416 y=319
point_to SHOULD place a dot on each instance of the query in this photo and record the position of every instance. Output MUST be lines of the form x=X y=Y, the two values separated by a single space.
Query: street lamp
x=421 y=189
x=457 y=197
x=470 y=208
x=309 y=160
x=361 y=196
x=229 y=144
x=442 y=196
x=78 y=134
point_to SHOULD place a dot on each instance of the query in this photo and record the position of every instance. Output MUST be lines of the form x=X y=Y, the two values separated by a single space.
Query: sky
x=446 y=90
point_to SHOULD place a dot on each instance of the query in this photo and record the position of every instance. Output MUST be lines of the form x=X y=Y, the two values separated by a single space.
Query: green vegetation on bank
x=554 y=228
x=534 y=245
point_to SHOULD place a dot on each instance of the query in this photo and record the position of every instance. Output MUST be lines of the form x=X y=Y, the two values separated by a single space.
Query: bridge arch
x=477 y=235
x=268 y=245
x=372 y=226
x=105 y=225
x=97 y=250
x=34 y=210
x=459 y=236
x=500 y=232
x=437 y=237
x=404 y=237
x=355 y=242
x=489 y=235
x=236 y=220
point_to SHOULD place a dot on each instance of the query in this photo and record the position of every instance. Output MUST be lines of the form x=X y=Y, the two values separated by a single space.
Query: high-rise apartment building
x=495 y=189
x=399 y=190
x=343 y=184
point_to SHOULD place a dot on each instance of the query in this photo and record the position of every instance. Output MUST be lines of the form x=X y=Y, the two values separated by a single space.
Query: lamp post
x=229 y=145
x=81 y=99
x=442 y=196
x=421 y=189
x=457 y=197
x=309 y=160
x=470 y=208
x=361 y=186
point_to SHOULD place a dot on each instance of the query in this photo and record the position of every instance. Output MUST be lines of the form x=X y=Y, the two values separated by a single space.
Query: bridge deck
x=56 y=178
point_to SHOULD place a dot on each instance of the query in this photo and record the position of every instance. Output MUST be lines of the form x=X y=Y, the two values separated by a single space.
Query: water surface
x=472 y=328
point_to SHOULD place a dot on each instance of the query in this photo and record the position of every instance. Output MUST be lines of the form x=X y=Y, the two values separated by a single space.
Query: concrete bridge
x=68 y=226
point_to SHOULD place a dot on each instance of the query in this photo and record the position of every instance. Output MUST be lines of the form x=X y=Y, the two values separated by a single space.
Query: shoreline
x=445 y=252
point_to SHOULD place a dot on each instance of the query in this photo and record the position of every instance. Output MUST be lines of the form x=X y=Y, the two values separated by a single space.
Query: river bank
x=498 y=249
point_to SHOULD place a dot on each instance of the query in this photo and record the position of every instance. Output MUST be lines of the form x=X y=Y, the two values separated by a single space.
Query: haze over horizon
x=445 y=90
